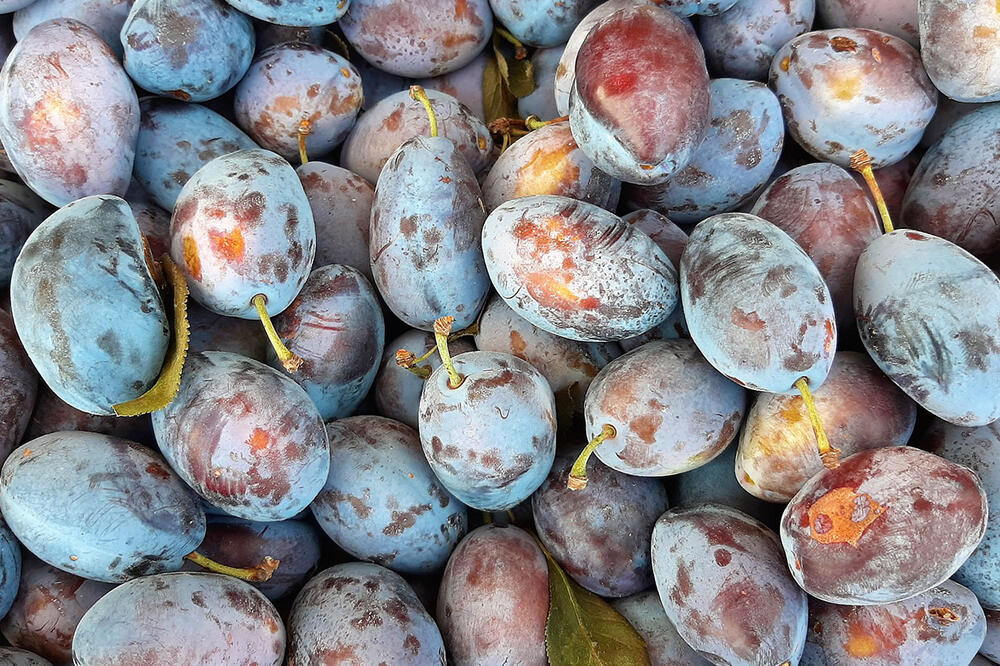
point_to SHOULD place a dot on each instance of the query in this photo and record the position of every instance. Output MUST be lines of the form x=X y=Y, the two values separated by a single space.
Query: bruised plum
x=18 y=387
x=104 y=16
x=664 y=645
x=100 y=507
x=21 y=211
x=958 y=45
x=382 y=502
x=181 y=618
x=724 y=585
x=302 y=13
x=245 y=436
x=896 y=17
x=542 y=24
x=69 y=115
x=365 y=614
x=494 y=599
x=577 y=270
x=888 y=524
x=86 y=307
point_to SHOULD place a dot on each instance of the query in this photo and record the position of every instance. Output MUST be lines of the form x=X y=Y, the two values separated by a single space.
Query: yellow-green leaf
x=497 y=100
x=583 y=630
x=521 y=77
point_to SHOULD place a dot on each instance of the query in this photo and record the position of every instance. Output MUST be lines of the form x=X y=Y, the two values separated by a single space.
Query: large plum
x=69 y=115
x=542 y=24
x=958 y=46
x=245 y=436
x=896 y=17
x=301 y=13
x=887 y=524
x=100 y=507
x=664 y=645
x=576 y=270
x=106 y=17
x=18 y=387
x=927 y=312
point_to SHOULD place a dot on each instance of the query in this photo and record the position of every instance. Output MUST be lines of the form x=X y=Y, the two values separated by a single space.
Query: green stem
x=534 y=122
x=258 y=574
x=862 y=163
x=578 y=474
x=442 y=327
x=305 y=129
x=418 y=93
x=287 y=358
x=829 y=455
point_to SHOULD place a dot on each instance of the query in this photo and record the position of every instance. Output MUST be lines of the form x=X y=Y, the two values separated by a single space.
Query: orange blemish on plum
x=785 y=62
x=747 y=479
x=830 y=333
x=867 y=639
x=517 y=343
x=984 y=32
x=229 y=246
x=551 y=236
x=285 y=104
x=842 y=516
x=259 y=440
x=189 y=248
x=846 y=87
x=861 y=645
x=747 y=320
x=791 y=413
x=548 y=172
x=482 y=143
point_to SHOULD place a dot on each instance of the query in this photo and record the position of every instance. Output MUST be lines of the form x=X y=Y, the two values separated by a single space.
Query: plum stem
x=418 y=93
x=442 y=327
x=305 y=129
x=578 y=474
x=829 y=455
x=256 y=574
x=862 y=163
x=287 y=358
x=407 y=361
x=520 y=53
x=534 y=122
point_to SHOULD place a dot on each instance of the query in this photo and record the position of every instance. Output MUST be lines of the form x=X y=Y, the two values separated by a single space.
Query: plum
x=846 y=89
x=8 y=6
x=377 y=84
x=181 y=618
x=104 y=16
x=639 y=106
x=300 y=13
x=416 y=41
x=382 y=502
x=295 y=87
x=269 y=34
x=361 y=613
x=154 y=224
x=887 y=524
x=542 y=24
x=896 y=17
x=685 y=8
x=69 y=115
x=17 y=657
x=948 y=113
x=724 y=585
x=53 y=415
x=958 y=47
x=18 y=387
x=542 y=100
x=21 y=211
x=664 y=645
x=212 y=332
x=465 y=84
x=576 y=270
x=494 y=599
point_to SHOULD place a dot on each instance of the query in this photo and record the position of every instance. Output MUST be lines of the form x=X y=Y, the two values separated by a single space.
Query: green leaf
x=583 y=630
x=497 y=100
x=521 y=77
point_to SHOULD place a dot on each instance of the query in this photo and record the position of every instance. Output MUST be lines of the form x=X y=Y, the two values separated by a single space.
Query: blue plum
x=365 y=614
x=664 y=645
x=927 y=311
x=300 y=13
x=543 y=24
x=292 y=85
x=100 y=507
x=576 y=270
x=896 y=17
x=17 y=657
x=69 y=115
x=18 y=387
x=104 y=16
x=181 y=618
x=542 y=100
x=7 y=6
x=10 y=568
x=382 y=502
x=86 y=307
x=245 y=436
x=959 y=48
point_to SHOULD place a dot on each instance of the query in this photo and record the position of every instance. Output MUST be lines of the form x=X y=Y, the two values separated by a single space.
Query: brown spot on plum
x=230 y=247
x=157 y=470
x=723 y=557
x=841 y=44
x=747 y=320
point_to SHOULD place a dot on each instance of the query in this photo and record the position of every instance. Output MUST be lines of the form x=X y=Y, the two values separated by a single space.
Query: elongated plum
x=86 y=307
x=494 y=599
x=382 y=502
x=756 y=305
x=301 y=13
x=361 y=613
x=888 y=524
x=664 y=645
x=927 y=312
x=245 y=436
x=100 y=507
x=725 y=588
x=21 y=211
x=576 y=270
x=640 y=102
x=959 y=48
x=106 y=17
x=18 y=387
x=846 y=89
x=69 y=115
x=896 y=17
x=181 y=618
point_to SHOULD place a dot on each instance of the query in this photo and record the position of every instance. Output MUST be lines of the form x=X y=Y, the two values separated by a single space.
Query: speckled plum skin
x=548 y=161
x=542 y=24
x=465 y=84
x=181 y=618
x=640 y=101
x=300 y=13
x=886 y=525
x=242 y=226
x=663 y=644
x=847 y=89
x=386 y=126
x=756 y=305
x=671 y=410
x=491 y=441
x=175 y=140
x=738 y=153
x=416 y=41
x=927 y=312
x=494 y=599
x=979 y=450
x=542 y=100
x=959 y=48
x=426 y=224
x=21 y=211
x=335 y=325
x=86 y=308
x=294 y=82
x=742 y=41
x=860 y=408
x=17 y=657
x=576 y=270
x=896 y=17
x=723 y=584
x=18 y=387
x=47 y=609
x=830 y=217
x=245 y=436
x=69 y=115
x=100 y=507
x=104 y=16
x=953 y=192
x=361 y=613
x=944 y=625
x=382 y=502
x=600 y=535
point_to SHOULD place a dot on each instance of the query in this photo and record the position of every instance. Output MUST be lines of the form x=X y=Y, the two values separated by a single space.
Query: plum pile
x=485 y=332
